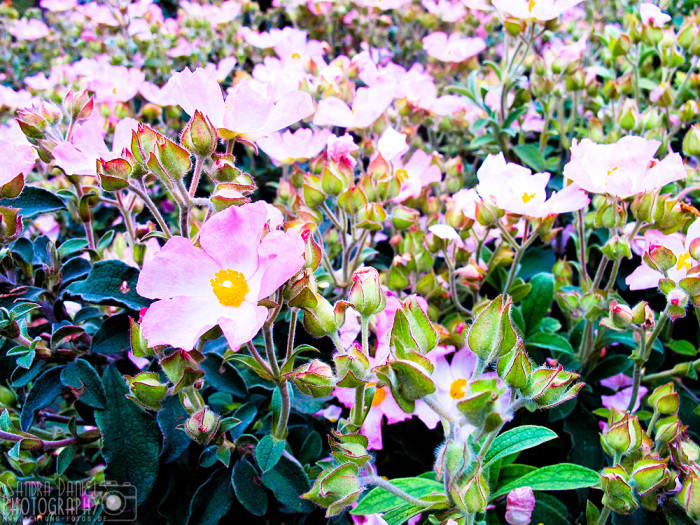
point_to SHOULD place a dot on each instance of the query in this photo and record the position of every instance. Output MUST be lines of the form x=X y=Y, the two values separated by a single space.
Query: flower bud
x=146 y=390
x=412 y=330
x=336 y=488
x=617 y=492
x=349 y=447
x=664 y=399
x=366 y=294
x=520 y=504
x=403 y=217
x=371 y=217
x=182 y=368
x=624 y=435
x=199 y=135
x=202 y=425
x=78 y=105
x=314 y=378
x=352 y=367
x=551 y=387
x=472 y=496
x=492 y=334
x=620 y=316
x=10 y=224
x=515 y=368
x=114 y=174
x=661 y=258
x=649 y=474
x=320 y=318
x=668 y=429
x=312 y=251
x=689 y=495
x=691 y=142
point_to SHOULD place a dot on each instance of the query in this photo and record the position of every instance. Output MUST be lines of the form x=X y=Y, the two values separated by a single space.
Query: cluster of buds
x=338 y=487
x=663 y=212
x=463 y=476
x=621 y=317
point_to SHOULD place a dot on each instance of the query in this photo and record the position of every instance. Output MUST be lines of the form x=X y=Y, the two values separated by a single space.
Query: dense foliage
x=477 y=237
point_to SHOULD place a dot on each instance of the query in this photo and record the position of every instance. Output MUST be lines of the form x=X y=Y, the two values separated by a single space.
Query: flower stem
x=604 y=516
x=393 y=489
x=143 y=194
x=580 y=228
x=292 y=330
x=645 y=347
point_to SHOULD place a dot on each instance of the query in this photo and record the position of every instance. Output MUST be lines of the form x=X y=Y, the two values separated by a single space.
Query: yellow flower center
x=684 y=261
x=379 y=396
x=611 y=171
x=401 y=175
x=458 y=388
x=296 y=56
x=230 y=287
x=527 y=197
x=531 y=5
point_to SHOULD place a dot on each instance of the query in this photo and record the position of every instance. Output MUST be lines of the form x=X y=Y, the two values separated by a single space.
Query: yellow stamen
x=684 y=261
x=527 y=197
x=230 y=287
x=458 y=388
x=296 y=56
x=379 y=396
x=401 y=175
x=611 y=171
x=531 y=5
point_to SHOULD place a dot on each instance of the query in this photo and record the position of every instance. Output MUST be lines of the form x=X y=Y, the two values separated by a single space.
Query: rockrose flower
x=537 y=9
x=623 y=169
x=221 y=282
x=516 y=189
x=288 y=147
x=452 y=48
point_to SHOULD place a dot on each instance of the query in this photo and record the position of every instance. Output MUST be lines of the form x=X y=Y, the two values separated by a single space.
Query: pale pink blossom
x=250 y=110
x=17 y=160
x=623 y=393
x=538 y=9
x=288 y=147
x=368 y=106
x=392 y=144
x=100 y=14
x=222 y=282
x=515 y=189
x=214 y=14
x=332 y=413
x=28 y=29
x=624 y=169
x=446 y=10
x=340 y=149
x=416 y=174
x=383 y=5
x=58 y=5
x=454 y=48
x=645 y=276
x=519 y=506
x=652 y=15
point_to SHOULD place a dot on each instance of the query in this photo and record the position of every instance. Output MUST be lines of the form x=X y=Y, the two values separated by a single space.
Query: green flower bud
x=624 y=435
x=649 y=474
x=146 y=390
x=689 y=496
x=199 y=135
x=203 y=425
x=412 y=330
x=492 y=334
x=366 y=294
x=336 y=488
x=314 y=378
x=664 y=399
x=691 y=142
x=617 y=492
x=515 y=368
x=473 y=495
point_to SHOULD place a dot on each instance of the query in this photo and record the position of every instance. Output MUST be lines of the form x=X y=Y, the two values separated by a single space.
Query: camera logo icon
x=118 y=501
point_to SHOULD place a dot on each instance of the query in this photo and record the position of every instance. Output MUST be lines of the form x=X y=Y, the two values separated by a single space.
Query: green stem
x=195 y=177
x=143 y=194
x=292 y=331
x=285 y=409
x=645 y=347
x=679 y=370
x=580 y=228
x=258 y=357
x=270 y=351
x=602 y=520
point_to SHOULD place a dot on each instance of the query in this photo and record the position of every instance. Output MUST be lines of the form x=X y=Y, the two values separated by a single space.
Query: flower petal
x=281 y=255
x=244 y=325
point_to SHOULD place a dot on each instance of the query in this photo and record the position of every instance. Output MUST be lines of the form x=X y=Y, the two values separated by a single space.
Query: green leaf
x=288 y=482
x=531 y=156
x=564 y=476
x=169 y=418
x=516 y=440
x=402 y=514
x=379 y=500
x=549 y=510
x=683 y=347
x=212 y=500
x=246 y=484
x=130 y=437
x=549 y=341
x=34 y=201
x=609 y=366
x=71 y=246
x=223 y=377
x=111 y=283
x=84 y=381
x=268 y=452
x=63 y=460
x=537 y=304
x=311 y=449
x=46 y=388
x=113 y=337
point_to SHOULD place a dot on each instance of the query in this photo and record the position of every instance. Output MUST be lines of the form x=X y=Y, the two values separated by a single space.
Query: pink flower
x=645 y=276
x=537 y=9
x=416 y=174
x=288 y=147
x=623 y=395
x=515 y=189
x=339 y=149
x=447 y=10
x=221 y=282
x=392 y=144
x=652 y=15
x=29 y=29
x=368 y=106
x=58 y=5
x=454 y=48
x=17 y=159
x=623 y=169
x=250 y=111
x=520 y=504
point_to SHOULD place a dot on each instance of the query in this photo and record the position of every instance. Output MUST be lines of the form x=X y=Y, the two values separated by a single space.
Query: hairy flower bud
x=199 y=135
x=366 y=294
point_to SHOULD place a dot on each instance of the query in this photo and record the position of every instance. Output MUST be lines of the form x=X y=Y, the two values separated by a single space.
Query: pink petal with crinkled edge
x=292 y=107
x=181 y=321
x=643 y=277
x=178 y=269
x=197 y=90
x=333 y=112
x=232 y=237
x=426 y=414
x=245 y=322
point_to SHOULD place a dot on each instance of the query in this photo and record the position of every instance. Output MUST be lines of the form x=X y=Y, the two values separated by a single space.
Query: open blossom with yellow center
x=221 y=282
x=645 y=277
